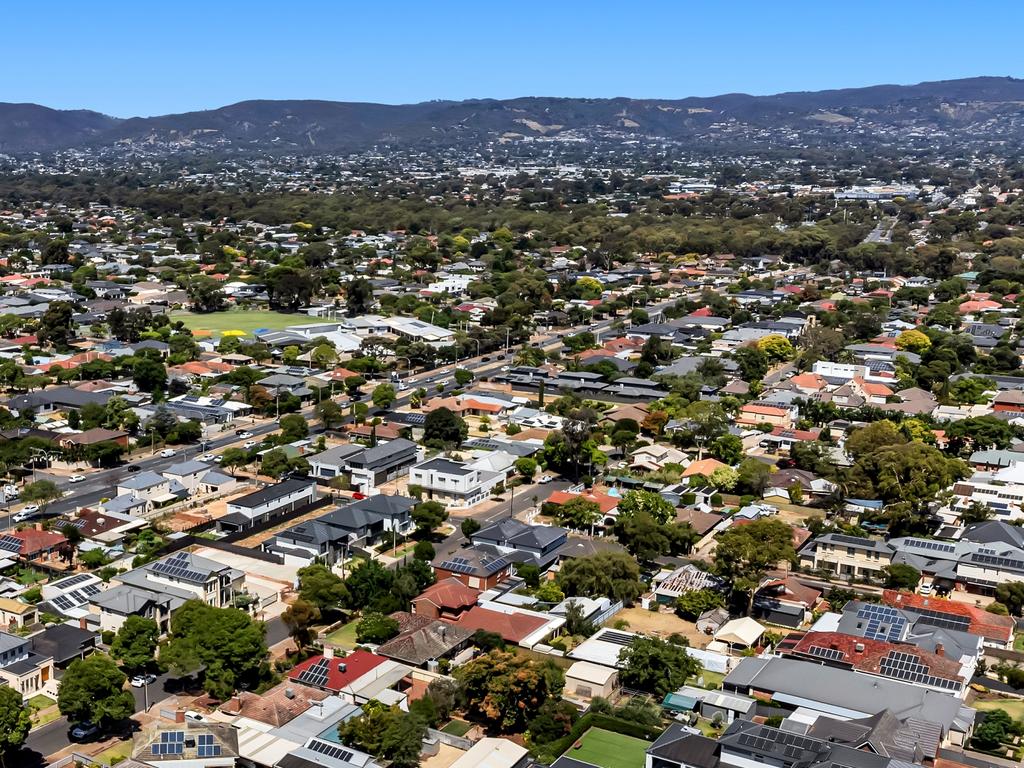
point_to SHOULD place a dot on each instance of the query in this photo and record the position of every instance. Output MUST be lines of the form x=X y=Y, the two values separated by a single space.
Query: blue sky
x=117 y=58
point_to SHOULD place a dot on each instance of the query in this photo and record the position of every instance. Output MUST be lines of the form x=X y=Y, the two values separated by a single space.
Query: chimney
x=859 y=647
x=328 y=652
x=940 y=649
x=179 y=715
x=342 y=667
x=82 y=624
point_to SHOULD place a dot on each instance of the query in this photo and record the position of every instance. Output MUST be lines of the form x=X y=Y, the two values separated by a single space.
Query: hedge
x=548 y=752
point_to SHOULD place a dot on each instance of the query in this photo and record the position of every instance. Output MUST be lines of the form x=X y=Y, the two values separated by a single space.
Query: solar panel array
x=331 y=750
x=832 y=654
x=766 y=739
x=206 y=746
x=942 y=620
x=75 y=598
x=72 y=581
x=171 y=743
x=883 y=622
x=616 y=638
x=10 y=544
x=930 y=546
x=907 y=666
x=316 y=675
x=458 y=565
x=855 y=540
x=998 y=562
x=177 y=567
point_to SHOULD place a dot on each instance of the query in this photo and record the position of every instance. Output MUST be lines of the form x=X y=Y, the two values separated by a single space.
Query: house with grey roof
x=543 y=542
x=366 y=468
x=849 y=695
x=454 y=483
x=157 y=589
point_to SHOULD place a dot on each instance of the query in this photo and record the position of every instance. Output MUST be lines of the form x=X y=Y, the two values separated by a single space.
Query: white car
x=545 y=479
x=207 y=457
x=244 y=434
x=141 y=681
x=249 y=444
x=167 y=453
x=76 y=479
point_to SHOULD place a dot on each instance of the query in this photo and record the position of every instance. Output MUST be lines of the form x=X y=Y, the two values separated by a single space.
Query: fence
x=452 y=741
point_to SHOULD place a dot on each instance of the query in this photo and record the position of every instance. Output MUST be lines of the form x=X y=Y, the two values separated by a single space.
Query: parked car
x=76 y=479
x=21 y=517
x=31 y=509
x=11 y=491
x=84 y=731
x=141 y=681
x=249 y=444
x=207 y=457
x=166 y=453
x=545 y=479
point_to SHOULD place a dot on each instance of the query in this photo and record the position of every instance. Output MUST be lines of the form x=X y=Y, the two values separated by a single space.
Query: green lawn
x=457 y=728
x=344 y=637
x=1018 y=642
x=1013 y=707
x=240 y=320
x=712 y=680
x=609 y=750
x=122 y=750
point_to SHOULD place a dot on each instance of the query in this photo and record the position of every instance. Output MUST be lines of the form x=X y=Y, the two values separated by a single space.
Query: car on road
x=545 y=479
x=249 y=444
x=21 y=517
x=243 y=434
x=218 y=459
x=76 y=479
x=31 y=509
x=166 y=453
x=141 y=681
x=84 y=731
x=505 y=369
x=132 y=468
x=207 y=457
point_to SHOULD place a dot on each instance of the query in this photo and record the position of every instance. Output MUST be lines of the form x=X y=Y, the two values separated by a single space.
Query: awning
x=164 y=498
x=678 y=703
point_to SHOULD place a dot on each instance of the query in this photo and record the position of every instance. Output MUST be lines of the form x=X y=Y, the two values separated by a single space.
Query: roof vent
x=289 y=693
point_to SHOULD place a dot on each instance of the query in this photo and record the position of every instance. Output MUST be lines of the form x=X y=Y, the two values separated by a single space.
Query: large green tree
x=606 y=574
x=655 y=666
x=647 y=502
x=135 y=643
x=226 y=643
x=15 y=722
x=745 y=552
x=92 y=690
x=321 y=587
x=506 y=691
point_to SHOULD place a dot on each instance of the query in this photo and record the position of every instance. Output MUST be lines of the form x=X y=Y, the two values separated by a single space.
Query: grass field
x=240 y=320
x=457 y=728
x=609 y=750
x=115 y=754
x=344 y=637
x=1013 y=707
x=712 y=680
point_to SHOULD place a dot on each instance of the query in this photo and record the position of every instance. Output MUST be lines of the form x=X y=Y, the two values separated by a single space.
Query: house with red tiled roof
x=703 y=467
x=873 y=394
x=884 y=659
x=972 y=306
x=447 y=599
x=37 y=544
x=996 y=630
x=609 y=504
x=785 y=601
x=513 y=627
x=342 y=675
x=809 y=383
x=278 y=706
x=753 y=414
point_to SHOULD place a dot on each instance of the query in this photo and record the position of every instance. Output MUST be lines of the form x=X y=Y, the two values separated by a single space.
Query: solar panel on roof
x=10 y=544
x=72 y=581
x=316 y=675
x=331 y=750
x=832 y=654
x=617 y=638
